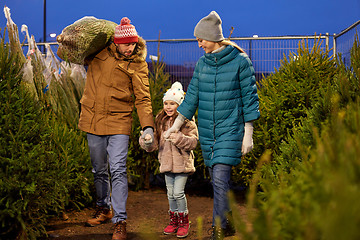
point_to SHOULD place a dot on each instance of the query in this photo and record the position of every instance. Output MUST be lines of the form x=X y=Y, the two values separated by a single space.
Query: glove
x=247 y=143
x=176 y=126
x=148 y=136
x=172 y=137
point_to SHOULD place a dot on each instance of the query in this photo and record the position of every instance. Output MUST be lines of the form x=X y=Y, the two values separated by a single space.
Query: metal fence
x=344 y=41
x=180 y=56
x=266 y=53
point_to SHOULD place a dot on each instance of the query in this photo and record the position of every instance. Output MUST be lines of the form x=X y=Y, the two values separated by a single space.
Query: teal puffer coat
x=223 y=89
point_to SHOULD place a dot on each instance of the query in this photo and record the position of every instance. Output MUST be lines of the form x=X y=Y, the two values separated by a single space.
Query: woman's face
x=170 y=107
x=208 y=46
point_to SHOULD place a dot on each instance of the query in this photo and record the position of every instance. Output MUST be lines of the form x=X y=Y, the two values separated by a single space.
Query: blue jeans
x=110 y=151
x=175 y=185
x=220 y=177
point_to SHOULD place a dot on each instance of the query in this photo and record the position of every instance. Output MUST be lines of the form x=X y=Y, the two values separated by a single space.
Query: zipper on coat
x=212 y=149
x=127 y=67
x=214 y=98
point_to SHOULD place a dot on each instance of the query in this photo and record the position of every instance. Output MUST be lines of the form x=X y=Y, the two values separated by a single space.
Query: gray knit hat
x=209 y=28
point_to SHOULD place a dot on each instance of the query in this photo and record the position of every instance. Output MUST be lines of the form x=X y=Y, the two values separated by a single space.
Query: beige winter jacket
x=176 y=156
x=112 y=82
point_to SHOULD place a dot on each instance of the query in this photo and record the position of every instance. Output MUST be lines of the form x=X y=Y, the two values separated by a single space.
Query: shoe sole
x=94 y=225
x=168 y=233
x=91 y=225
x=182 y=236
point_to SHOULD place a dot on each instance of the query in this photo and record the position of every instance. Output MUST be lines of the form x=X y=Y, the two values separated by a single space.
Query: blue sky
x=176 y=19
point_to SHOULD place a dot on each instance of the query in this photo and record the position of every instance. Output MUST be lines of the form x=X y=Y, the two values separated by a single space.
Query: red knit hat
x=125 y=32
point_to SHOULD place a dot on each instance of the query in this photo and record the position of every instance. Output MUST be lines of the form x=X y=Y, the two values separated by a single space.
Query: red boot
x=184 y=225
x=174 y=221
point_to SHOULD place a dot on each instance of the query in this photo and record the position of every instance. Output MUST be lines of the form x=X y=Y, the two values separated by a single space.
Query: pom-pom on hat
x=209 y=28
x=175 y=93
x=125 y=32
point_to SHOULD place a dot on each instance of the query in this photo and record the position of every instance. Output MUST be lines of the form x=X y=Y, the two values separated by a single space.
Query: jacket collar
x=222 y=57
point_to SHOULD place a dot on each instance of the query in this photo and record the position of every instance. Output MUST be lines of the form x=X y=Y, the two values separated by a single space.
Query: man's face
x=126 y=49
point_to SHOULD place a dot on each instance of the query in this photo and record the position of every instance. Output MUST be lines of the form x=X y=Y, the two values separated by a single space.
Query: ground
x=147 y=217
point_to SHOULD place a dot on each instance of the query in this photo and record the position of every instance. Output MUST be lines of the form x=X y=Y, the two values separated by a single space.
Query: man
x=114 y=76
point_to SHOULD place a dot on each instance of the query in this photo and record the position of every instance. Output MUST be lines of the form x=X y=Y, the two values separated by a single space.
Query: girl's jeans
x=110 y=151
x=220 y=177
x=175 y=185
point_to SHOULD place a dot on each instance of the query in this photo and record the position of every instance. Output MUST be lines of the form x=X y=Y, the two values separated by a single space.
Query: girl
x=176 y=158
x=223 y=89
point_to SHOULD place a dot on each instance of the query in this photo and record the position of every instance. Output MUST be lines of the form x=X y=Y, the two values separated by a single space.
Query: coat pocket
x=88 y=102
x=120 y=106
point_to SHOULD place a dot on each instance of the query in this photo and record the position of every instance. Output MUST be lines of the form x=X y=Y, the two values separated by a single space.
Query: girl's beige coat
x=176 y=156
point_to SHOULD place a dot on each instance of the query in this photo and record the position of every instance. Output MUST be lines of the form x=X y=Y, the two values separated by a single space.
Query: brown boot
x=119 y=231
x=101 y=215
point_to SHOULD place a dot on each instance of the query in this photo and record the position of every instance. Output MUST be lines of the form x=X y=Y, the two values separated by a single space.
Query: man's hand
x=148 y=136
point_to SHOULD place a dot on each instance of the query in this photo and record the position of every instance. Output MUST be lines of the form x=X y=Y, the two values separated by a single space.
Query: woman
x=223 y=89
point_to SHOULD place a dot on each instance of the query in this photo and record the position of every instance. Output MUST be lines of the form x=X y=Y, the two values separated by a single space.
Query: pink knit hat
x=125 y=32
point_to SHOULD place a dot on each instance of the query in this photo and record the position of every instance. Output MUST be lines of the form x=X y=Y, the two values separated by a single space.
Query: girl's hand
x=147 y=137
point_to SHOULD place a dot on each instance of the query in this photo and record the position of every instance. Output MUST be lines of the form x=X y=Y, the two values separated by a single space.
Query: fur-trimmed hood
x=141 y=50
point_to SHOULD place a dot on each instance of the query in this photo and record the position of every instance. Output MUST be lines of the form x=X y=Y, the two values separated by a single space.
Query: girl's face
x=208 y=46
x=170 y=107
